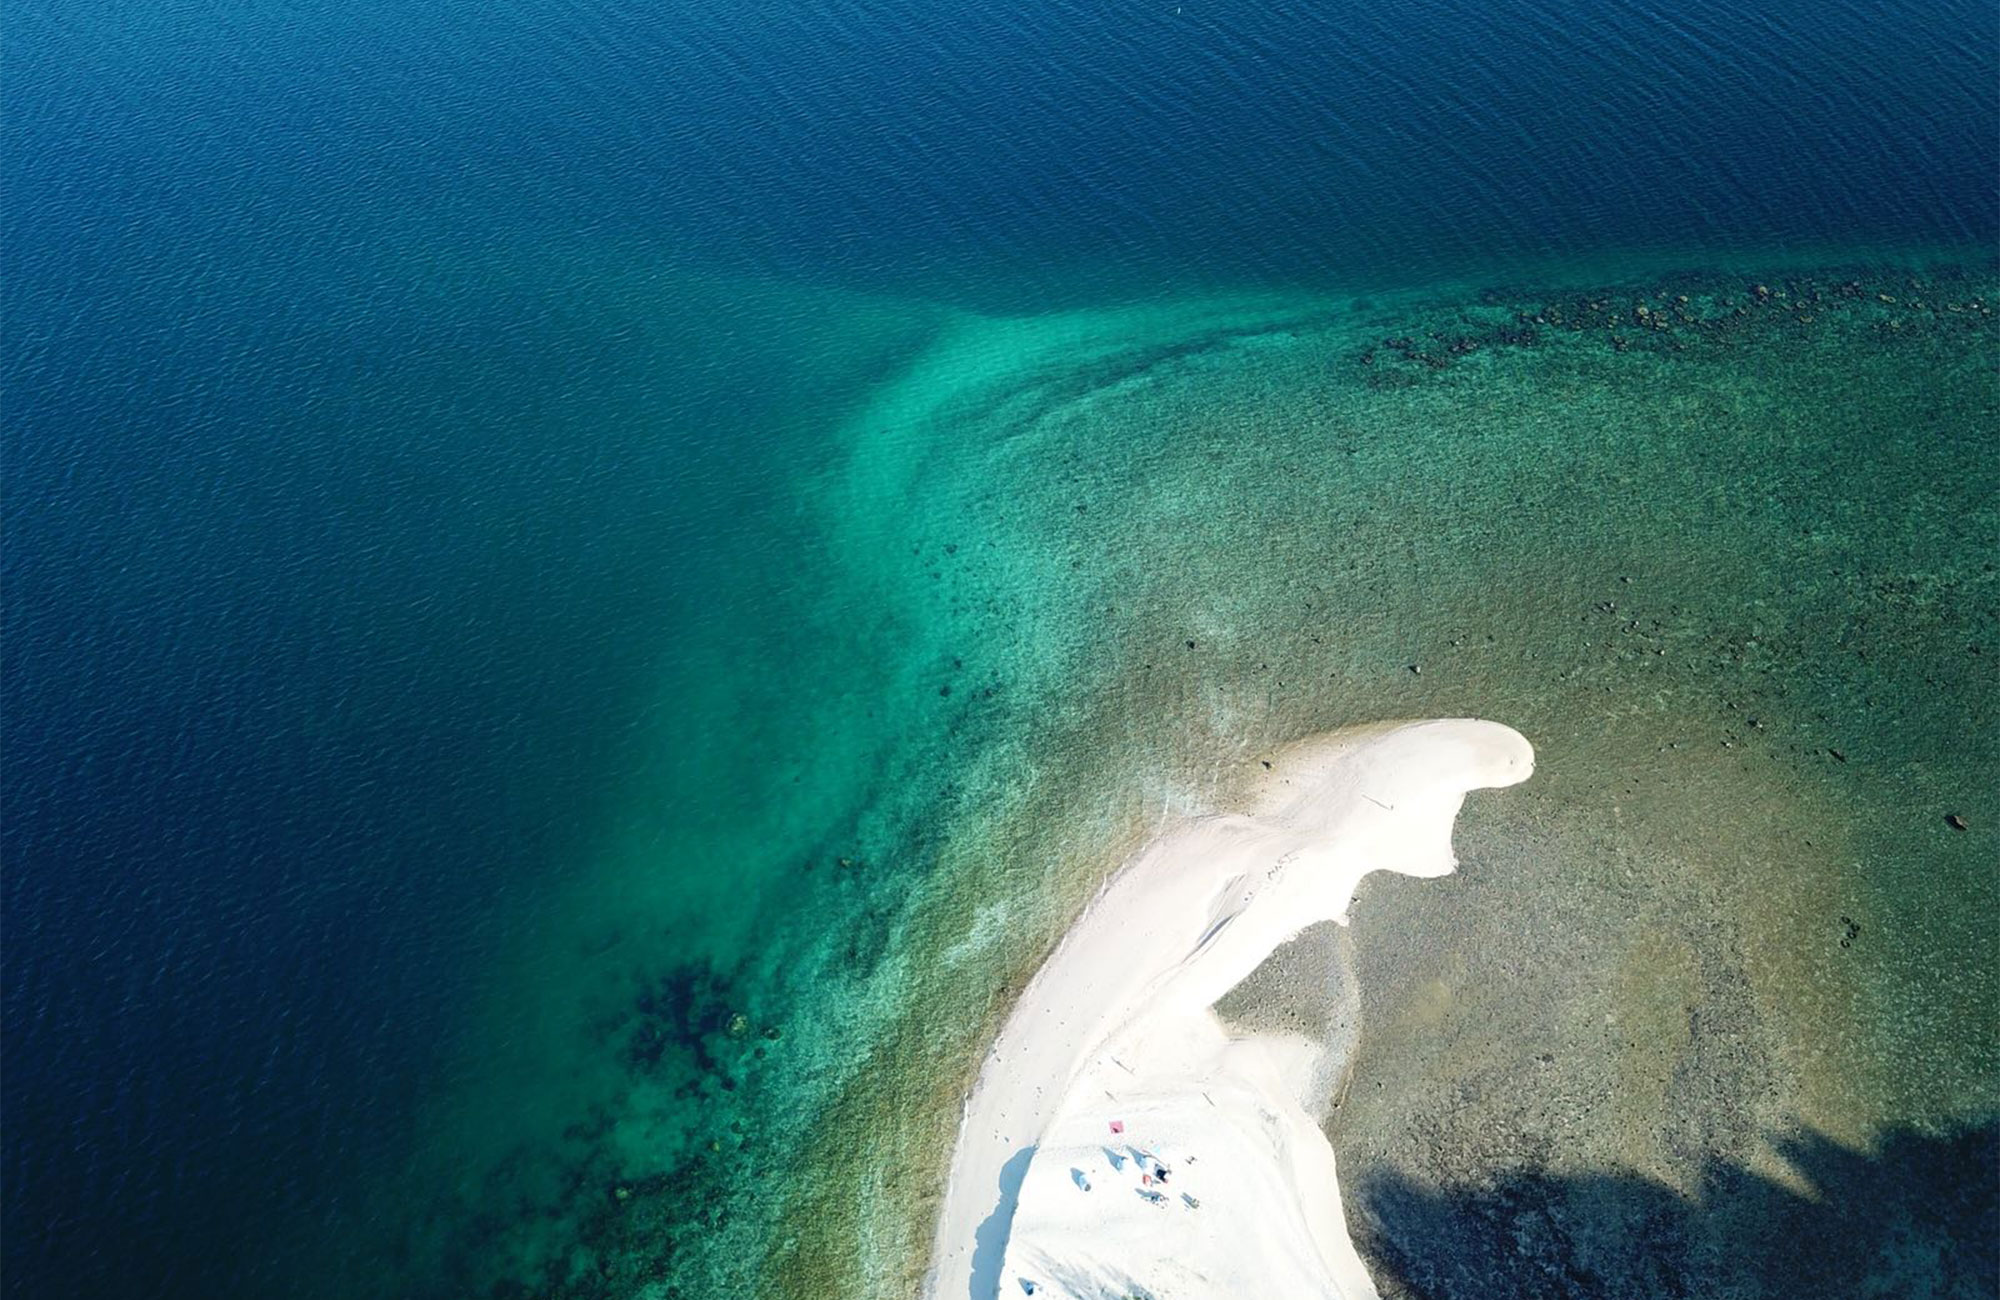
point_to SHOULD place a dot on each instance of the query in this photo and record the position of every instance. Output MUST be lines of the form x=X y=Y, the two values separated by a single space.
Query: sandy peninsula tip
x=1118 y=1140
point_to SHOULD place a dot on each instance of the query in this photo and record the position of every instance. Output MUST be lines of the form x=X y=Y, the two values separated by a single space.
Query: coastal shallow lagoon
x=588 y=594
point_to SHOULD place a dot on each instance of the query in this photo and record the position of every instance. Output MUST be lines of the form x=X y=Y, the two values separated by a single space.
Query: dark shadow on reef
x=1918 y=1218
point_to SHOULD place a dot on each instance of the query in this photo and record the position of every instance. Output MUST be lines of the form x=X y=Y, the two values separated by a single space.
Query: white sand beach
x=1113 y=1069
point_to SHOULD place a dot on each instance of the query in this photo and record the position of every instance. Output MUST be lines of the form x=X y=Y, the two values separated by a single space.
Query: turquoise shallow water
x=585 y=590
x=1131 y=550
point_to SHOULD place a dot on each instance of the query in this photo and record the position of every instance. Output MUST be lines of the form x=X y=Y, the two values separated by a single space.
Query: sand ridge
x=1045 y=1197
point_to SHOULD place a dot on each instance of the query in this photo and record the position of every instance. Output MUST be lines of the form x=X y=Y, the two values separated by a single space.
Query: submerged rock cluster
x=1674 y=313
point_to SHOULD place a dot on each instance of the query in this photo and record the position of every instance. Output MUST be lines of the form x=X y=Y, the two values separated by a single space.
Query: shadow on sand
x=989 y=1244
x=1917 y=1218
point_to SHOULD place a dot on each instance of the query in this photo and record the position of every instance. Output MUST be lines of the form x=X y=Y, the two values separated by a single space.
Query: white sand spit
x=1044 y=1197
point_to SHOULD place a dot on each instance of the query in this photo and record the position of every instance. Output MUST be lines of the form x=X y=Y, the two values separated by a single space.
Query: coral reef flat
x=1732 y=571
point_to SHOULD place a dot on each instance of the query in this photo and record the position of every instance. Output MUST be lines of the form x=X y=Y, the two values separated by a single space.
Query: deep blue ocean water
x=374 y=434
